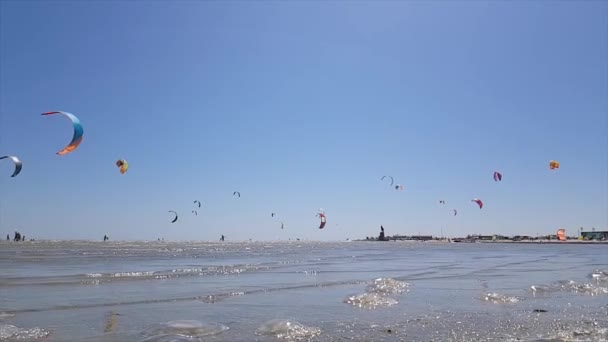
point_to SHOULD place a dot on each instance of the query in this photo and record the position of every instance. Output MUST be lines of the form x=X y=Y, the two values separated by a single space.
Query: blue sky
x=302 y=105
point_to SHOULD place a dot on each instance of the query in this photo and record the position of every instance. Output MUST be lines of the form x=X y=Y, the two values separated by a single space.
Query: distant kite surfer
x=222 y=238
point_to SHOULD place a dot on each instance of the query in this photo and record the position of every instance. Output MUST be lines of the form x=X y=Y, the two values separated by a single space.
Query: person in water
x=8 y=237
x=222 y=238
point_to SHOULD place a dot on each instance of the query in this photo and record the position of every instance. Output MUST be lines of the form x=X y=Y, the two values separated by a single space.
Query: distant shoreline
x=445 y=241
x=540 y=242
x=537 y=242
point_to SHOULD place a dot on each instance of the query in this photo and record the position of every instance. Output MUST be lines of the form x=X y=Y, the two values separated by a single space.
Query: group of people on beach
x=18 y=237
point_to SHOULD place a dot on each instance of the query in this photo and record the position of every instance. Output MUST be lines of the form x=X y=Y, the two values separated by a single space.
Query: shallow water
x=380 y=291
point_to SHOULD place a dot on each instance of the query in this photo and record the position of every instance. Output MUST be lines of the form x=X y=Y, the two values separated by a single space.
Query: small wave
x=12 y=332
x=585 y=288
x=370 y=300
x=185 y=328
x=98 y=278
x=287 y=329
x=592 y=289
x=4 y=315
x=378 y=294
x=498 y=298
x=388 y=286
x=598 y=286
x=310 y=273
x=132 y=274
x=600 y=276
x=170 y=338
x=539 y=289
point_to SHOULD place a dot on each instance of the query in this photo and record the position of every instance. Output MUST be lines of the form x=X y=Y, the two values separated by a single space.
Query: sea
x=302 y=291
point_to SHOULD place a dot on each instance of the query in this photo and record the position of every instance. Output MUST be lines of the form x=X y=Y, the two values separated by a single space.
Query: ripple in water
x=184 y=329
x=287 y=329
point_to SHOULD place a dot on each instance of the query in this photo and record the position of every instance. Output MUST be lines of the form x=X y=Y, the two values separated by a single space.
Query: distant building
x=595 y=235
x=422 y=237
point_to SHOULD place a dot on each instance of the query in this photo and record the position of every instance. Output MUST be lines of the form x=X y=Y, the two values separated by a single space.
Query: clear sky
x=300 y=106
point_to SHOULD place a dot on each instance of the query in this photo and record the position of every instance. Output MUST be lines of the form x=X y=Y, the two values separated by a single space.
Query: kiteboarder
x=8 y=237
x=323 y=219
x=222 y=238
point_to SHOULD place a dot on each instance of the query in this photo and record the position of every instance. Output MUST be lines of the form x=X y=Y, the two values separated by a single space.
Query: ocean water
x=315 y=291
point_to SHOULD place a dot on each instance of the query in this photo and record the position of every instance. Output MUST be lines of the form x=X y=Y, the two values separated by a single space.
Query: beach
x=317 y=291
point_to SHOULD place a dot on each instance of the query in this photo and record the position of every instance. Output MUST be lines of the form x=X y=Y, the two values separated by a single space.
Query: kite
x=391 y=177
x=123 y=165
x=323 y=220
x=18 y=164
x=78 y=131
x=497 y=176
x=175 y=219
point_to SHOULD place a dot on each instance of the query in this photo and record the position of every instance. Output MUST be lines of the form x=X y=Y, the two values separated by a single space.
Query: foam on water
x=378 y=294
x=387 y=286
x=600 y=277
x=498 y=298
x=287 y=329
x=12 y=333
x=597 y=287
x=370 y=300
